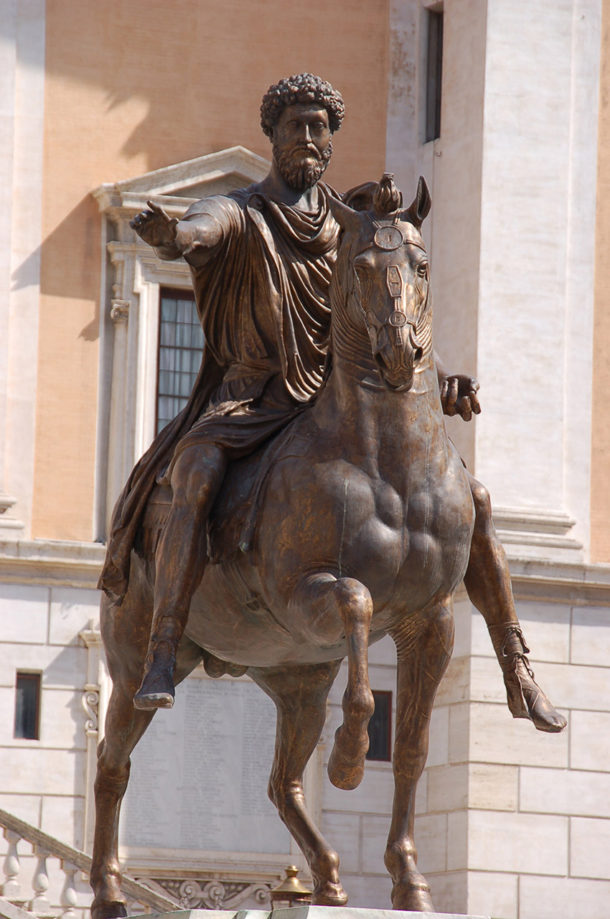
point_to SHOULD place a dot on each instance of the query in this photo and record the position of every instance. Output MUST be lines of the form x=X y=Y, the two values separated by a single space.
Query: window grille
x=180 y=348
x=27 y=706
x=434 y=74
x=380 y=727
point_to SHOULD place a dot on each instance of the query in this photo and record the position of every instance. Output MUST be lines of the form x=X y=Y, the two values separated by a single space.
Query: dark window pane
x=434 y=75
x=380 y=728
x=27 y=705
x=180 y=347
x=168 y=310
x=167 y=333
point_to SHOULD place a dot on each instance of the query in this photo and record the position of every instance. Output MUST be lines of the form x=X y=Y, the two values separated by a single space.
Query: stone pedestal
x=307 y=912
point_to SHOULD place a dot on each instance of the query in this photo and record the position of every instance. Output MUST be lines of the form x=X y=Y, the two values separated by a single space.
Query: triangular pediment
x=177 y=186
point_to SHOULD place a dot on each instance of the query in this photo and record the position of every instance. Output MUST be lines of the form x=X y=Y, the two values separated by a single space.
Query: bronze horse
x=364 y=525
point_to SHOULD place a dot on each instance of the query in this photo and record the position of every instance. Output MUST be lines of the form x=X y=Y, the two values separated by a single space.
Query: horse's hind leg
x=330 y=608
x=300 y=695
x=487 y=581
x=423 y=651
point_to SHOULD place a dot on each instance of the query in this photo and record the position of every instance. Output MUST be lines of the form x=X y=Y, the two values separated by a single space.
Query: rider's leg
x=180 y=561
x=488 y=584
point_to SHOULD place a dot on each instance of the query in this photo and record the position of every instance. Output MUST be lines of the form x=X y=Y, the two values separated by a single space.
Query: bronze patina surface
x=358 y=520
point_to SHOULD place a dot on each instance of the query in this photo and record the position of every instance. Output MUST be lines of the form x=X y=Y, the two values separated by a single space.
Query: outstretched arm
x=458 y=392
x=193 y=237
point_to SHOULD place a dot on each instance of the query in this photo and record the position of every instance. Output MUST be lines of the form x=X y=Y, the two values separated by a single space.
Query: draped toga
x=262 y=299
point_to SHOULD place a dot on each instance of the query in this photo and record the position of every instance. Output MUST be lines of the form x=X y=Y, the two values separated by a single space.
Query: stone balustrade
x=21 y=899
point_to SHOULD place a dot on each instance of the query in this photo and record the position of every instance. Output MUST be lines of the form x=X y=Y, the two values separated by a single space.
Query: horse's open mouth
x=398 y=382
x=398 y=378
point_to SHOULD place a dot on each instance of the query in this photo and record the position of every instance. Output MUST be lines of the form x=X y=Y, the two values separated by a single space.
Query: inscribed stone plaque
x=199 y=775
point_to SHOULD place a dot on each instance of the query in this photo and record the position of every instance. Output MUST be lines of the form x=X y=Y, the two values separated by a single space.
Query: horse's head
x=382 y=279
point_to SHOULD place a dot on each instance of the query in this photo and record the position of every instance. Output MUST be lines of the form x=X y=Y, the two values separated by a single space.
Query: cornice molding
x=40 y=561
x=78 y=564
x=182 y=183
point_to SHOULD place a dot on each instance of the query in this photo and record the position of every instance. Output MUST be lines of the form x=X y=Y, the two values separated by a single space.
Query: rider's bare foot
x=157 y=687
x=527 y=700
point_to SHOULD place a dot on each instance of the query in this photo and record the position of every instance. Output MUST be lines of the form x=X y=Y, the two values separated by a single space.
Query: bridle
x=389 y=237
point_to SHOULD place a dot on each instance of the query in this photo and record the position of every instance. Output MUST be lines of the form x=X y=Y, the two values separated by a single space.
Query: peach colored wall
x=600 y=454
x=133 y=85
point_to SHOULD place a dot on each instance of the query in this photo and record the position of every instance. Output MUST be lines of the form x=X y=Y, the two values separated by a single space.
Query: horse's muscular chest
x=383 y=527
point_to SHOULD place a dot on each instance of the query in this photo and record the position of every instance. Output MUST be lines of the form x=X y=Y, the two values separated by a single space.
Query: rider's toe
x=157 y=689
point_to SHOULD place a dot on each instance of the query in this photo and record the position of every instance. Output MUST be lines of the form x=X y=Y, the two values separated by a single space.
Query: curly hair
x=303 y=87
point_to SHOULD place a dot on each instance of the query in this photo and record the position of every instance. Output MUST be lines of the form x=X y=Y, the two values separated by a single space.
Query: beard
x=301 y=167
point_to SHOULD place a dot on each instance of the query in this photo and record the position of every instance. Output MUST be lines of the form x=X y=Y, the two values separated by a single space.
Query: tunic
x=262 y=299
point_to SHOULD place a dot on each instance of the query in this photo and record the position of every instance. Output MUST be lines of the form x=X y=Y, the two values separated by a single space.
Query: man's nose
x=305 y=133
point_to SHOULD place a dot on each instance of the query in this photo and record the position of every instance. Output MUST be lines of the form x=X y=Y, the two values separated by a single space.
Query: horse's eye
x=422 y=269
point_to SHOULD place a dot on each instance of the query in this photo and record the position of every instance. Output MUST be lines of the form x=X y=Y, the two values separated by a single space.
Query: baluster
x=11 y=887
x=40 y=905
x=68 y=898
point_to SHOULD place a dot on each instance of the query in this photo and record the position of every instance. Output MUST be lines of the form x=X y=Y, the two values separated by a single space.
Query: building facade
x=503 y=107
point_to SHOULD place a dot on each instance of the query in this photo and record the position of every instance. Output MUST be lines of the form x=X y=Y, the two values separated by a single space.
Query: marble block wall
x=44 y=781
x=511 y=822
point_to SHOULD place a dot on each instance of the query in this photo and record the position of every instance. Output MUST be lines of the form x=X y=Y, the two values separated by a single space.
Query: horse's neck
x=371 y=420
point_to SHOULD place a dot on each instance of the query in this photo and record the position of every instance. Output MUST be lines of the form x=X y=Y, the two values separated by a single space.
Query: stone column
x=535 y=309
x=21 y=134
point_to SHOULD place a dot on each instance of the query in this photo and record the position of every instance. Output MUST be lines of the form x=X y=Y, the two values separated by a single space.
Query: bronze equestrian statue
x=360 y=518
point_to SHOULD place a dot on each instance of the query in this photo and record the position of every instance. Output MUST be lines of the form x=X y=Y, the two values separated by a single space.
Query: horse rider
x=261 y=260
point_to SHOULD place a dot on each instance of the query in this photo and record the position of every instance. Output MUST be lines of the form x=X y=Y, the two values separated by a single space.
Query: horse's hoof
x=412 y=896
x=108 y=909
x=527 y=700
x=346 y=767
x=343 y=773
x=329 y=894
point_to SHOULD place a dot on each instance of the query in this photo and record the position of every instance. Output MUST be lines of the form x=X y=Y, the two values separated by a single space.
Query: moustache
x=304 y=150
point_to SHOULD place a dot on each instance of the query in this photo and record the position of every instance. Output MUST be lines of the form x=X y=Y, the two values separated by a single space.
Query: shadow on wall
x=74 y=278
x=198 y=71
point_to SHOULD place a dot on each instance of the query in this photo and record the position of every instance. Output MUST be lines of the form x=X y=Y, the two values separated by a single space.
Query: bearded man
x=261 y=260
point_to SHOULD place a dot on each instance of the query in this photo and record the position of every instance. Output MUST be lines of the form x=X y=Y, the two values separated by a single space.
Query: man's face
x=302 y=144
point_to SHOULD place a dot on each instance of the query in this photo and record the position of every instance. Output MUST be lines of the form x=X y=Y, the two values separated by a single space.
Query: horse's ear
x=419 y=209
x=360 y=198
x=346 y=217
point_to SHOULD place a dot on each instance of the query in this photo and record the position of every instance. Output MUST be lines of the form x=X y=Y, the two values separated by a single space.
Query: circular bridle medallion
x=388 y=237
x=397 y=319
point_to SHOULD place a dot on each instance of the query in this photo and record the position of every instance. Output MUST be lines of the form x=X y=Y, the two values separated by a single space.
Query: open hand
x=459 y=396
x=154 y=226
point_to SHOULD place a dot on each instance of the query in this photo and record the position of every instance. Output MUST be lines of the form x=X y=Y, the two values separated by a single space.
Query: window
x=380 y=728
x=27 y=706
x=180 y=346
x=434 y=74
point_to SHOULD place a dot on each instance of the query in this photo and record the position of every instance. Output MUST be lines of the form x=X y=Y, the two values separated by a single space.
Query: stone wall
x=45 y=781
x=510 y=821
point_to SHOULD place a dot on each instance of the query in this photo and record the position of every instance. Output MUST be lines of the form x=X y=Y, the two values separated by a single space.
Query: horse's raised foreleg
x=124 y=727
x=423 y=651
x=331 y=608
x=300 y=697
